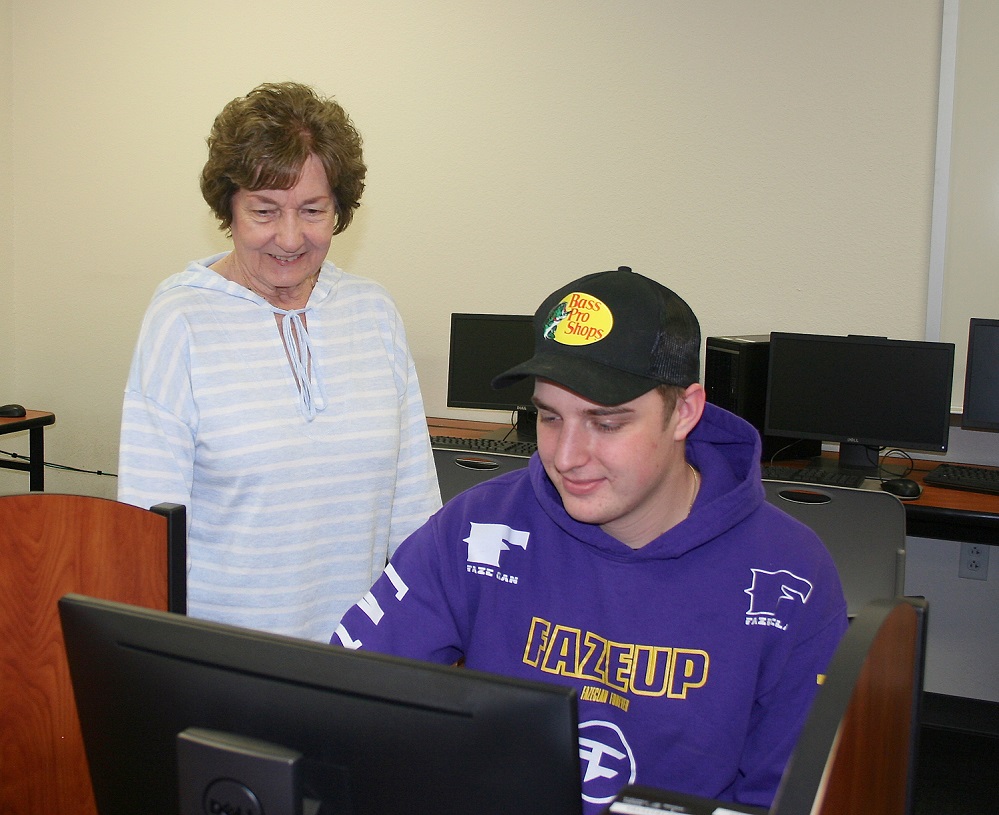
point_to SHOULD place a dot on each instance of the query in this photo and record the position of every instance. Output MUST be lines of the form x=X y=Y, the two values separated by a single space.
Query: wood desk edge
x=31 y=418
x=462 y=428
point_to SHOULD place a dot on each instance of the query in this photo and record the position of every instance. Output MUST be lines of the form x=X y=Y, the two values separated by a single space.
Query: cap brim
x=597 y=382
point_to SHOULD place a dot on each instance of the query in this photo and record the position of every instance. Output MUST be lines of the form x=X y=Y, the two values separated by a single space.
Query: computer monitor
x=342 y=732
x=981 y=376
x=867 y=393
x=482 y=347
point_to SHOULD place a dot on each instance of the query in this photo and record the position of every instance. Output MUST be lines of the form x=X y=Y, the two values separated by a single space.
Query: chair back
x=51 y=545
x=864 y=531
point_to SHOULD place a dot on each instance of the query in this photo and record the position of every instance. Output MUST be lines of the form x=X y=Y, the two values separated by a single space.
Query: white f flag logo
x=487 y=541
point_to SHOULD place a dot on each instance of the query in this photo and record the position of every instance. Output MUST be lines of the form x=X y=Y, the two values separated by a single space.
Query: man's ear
x=689 y=409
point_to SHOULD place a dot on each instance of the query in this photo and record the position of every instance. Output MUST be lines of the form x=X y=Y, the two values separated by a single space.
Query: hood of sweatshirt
x=725 y=449
x=293 y=328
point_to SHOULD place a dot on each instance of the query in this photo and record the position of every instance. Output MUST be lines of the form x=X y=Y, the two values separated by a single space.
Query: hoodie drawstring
x=296 y=342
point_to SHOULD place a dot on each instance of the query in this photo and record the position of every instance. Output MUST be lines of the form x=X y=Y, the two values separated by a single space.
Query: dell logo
x=225 y=796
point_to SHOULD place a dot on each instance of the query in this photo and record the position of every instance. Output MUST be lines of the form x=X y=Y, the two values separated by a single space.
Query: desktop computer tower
x=735 y=378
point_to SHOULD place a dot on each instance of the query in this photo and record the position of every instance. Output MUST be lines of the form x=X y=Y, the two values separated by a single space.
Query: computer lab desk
x=940 y=513
x=948 y=514
x=35 y=422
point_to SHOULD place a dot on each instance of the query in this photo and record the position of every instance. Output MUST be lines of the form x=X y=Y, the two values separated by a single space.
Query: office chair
x=857 y=749
x=864 y=531
x=50 y=545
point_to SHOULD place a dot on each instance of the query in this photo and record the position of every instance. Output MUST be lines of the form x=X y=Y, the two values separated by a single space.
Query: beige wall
x=972 y=247
x=772 y=161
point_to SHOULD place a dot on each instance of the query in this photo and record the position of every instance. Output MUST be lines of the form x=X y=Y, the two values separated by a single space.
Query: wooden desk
x=463 y=428
x=35 y=422
x=947 y=514
x=941 y=513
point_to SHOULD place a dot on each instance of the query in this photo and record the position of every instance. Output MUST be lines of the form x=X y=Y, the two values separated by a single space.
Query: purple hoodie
x=696 y=657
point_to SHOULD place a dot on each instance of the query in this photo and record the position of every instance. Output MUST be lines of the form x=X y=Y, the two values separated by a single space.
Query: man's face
x=620 y=467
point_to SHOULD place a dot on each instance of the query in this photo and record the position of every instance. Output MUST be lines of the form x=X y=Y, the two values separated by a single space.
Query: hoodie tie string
x=312 y=396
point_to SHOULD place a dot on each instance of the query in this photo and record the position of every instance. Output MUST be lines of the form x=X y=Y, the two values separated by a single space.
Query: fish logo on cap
x=579 y=319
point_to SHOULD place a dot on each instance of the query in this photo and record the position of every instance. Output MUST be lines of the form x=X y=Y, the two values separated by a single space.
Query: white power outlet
x=974 y=563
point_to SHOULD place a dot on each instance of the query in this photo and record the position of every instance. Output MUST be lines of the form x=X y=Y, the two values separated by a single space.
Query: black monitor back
x=981 y=377
x=376 y=734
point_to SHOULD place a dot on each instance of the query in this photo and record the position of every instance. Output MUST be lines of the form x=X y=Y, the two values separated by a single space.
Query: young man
x=634 y=558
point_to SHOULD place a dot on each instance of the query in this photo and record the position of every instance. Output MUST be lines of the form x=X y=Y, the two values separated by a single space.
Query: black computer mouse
x=904 y=488
x=12 y=411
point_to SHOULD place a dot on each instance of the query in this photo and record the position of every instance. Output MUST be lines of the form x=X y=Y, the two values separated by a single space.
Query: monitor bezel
x=511 y=398
x=141 y=677
x=941 y=432
x=975 y=421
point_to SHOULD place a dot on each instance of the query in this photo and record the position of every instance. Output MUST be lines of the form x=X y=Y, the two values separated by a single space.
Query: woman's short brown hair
x=262 y=140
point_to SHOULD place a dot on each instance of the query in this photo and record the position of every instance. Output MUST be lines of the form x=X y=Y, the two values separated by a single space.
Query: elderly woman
x=272 y=393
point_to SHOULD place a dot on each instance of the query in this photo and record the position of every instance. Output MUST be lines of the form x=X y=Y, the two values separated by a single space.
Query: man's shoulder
x=773 y=532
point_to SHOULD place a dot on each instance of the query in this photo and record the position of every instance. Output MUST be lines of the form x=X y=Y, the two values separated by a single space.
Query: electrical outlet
x=974 y=563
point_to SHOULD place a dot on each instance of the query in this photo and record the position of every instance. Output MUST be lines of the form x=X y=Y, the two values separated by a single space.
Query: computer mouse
x=904 y=488
x=12 y=411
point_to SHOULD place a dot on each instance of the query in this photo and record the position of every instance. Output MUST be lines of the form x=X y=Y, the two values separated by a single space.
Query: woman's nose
x=289 y=232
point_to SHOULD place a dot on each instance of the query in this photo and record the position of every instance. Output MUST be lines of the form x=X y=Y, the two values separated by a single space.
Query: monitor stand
x=524 y=427
x=854 y=458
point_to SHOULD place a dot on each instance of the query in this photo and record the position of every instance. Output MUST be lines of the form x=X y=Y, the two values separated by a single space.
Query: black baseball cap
x=611 y=337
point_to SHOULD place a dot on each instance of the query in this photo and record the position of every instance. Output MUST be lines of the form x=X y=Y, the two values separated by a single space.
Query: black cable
x=64 y=467
x=782 y=450
x=513 y=425
x=899 y=454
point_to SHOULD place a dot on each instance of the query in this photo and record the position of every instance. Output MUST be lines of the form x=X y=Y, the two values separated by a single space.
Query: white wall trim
x=941 y=176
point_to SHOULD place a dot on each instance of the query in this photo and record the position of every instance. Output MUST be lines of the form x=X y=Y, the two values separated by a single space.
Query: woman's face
x=281 y=237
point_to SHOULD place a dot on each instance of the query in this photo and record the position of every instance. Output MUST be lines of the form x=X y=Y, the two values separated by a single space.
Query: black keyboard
x=812 y=475
x=964 y=477
x=488 y=446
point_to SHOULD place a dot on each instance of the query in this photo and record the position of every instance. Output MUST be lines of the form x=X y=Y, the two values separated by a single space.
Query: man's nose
x=571 y=447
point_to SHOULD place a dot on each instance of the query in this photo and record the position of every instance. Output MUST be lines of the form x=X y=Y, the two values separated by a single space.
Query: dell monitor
x=981 y=376
x=867 y=393
x=482 y=347
x=193 y=717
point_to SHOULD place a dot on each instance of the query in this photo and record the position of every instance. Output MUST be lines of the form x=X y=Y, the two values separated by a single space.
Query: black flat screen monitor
x=482 y=347
x=981 y=376
x=369 y=734
x=866 y=393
